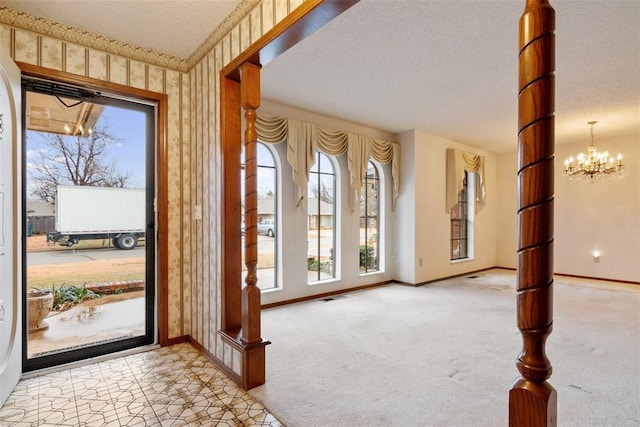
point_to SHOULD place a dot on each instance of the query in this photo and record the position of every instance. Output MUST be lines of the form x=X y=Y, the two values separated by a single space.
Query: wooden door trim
x=295 y=27
x=161 y=100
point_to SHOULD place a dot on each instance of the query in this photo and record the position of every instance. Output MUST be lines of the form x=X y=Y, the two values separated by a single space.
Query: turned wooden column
x=532 y=400
x=250 y=100
x=231 y=137
x=241 y=305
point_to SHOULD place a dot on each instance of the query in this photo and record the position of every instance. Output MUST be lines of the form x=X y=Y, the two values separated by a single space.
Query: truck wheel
x=270 y=233
x=116 y=243
x=127 y=241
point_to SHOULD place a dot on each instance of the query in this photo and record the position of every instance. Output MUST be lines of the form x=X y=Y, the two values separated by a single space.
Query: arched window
x=267 y=185
x=321 y=220
x=370 y=221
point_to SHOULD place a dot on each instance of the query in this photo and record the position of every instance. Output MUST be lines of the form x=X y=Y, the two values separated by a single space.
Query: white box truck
x=111 y=213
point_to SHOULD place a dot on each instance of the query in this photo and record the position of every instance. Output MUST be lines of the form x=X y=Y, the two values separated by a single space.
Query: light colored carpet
x=444 y=355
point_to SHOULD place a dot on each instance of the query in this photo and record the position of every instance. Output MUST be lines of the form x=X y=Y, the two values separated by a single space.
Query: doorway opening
x=89 y=255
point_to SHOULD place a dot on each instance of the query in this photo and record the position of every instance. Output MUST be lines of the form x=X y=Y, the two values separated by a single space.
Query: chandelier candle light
x=593 y=165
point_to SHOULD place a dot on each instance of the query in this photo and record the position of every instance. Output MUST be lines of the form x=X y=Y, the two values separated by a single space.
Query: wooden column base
x=253 y=366
x=532 y=404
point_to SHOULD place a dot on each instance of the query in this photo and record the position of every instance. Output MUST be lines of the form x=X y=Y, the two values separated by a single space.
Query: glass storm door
x=88 y=220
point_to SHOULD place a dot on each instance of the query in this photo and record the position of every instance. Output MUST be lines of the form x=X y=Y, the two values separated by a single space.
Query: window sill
x=270 y=290
x=461 y=260
x=372 y=273
x=323 y=282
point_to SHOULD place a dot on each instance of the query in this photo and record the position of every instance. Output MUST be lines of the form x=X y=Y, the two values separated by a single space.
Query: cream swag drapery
x=457 y=162
x=304 y=139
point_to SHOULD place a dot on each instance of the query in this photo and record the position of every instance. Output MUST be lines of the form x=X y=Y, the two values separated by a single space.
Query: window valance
x=304 y=139
x=457 y=162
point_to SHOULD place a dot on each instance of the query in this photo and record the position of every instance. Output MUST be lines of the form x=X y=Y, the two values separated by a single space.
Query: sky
x=129 y=126
x=266 y=171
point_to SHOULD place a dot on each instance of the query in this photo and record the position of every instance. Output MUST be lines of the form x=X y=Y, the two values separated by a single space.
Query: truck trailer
x=83 y=213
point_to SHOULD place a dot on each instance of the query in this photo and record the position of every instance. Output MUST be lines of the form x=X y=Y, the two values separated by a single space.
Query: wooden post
x=241 y=306
x=250 y=100
x=249 y=341
x=231 y=137
x=532 y=400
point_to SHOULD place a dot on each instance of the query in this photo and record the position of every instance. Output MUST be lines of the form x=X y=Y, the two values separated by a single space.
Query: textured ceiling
x=173 y=27
x=446 y=67
x=449 y=68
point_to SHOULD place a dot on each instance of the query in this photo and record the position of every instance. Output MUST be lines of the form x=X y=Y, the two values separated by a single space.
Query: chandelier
x=593 y=165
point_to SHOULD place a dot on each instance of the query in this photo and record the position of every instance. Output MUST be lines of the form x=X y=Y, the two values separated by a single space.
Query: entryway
x=89 y=258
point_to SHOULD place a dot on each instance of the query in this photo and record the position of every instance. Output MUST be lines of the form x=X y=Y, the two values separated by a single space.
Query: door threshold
x=89 y=361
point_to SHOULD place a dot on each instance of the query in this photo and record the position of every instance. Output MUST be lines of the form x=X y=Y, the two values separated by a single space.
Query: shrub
x=325 y=267
x=66 y=296
x=368 y=257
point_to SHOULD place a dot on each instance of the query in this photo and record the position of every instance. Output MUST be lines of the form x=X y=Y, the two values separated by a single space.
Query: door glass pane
x=88 y=190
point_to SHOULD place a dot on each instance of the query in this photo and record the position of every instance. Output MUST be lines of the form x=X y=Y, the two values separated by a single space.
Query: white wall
x=604 y=216
x=404 y=227
x=506 y=243
x=427 y=223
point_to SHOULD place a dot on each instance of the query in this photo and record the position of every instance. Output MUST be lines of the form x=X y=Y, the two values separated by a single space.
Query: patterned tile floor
x=170 y=386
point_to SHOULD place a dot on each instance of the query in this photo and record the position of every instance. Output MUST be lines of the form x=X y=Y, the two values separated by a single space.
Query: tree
x=322 y=192
x=75 y=160
x=265 y=193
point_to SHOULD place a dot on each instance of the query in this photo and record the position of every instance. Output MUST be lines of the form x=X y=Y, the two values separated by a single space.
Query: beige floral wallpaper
x=193 y=133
